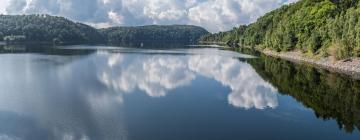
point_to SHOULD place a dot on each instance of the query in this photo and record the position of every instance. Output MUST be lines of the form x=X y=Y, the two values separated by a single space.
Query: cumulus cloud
x=154 y=75
x=214 y=15
x=46 y=103
x=249 y=90
x=157 y=75
x=222 y=15
x=56 y=101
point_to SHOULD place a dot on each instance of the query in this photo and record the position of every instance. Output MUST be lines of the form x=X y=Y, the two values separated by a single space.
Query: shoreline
x=350 y=68
x=211 y=42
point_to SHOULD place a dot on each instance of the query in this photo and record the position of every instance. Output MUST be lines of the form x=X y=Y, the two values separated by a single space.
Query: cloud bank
x=214 y=15
x=79 y=98
x=158 y=75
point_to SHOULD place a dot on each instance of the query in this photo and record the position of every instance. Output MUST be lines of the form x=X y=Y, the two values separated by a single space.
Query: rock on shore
x=349 y=67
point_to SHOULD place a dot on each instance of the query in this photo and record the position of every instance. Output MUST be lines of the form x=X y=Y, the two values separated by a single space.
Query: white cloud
x=249 y=90
x=115 y=17
x=62 y=115
x=163 y=10
x=157 y=75
x=154 y=75
x=222 y=15
x=57 y=99
x=214 y=15
x=190 y=3
x=3 y=5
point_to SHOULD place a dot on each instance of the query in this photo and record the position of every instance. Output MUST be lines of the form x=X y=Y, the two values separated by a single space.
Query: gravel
x=350 y=67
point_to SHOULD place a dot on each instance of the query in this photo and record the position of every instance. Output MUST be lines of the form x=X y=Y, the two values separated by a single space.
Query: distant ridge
x=180 y=33
x=42 y=28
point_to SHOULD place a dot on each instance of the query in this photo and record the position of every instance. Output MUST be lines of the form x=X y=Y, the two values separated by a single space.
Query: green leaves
x=235 y=34
x=330 y=95
x=308 y=25
x=45 y=28
x=183 y=33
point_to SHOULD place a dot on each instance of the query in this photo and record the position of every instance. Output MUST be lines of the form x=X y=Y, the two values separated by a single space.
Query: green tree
x=308 y=25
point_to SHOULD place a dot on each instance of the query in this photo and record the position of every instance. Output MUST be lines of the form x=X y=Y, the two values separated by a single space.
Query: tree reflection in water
x=158 y=74
x=330 y=95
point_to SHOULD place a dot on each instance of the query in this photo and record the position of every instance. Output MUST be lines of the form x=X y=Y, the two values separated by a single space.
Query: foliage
x=234 y=34
x=330 y=95
x=59 y=30
x=45 y=28
x=308 y=25
x=178 y=33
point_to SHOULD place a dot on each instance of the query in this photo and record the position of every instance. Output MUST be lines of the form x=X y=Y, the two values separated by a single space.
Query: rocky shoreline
x=349 y=67
x=211 y=43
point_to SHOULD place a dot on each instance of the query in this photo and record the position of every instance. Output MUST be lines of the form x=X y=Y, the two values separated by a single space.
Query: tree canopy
x=53 y=29
x=172 y=33
x=45 y=28
x=317 y=27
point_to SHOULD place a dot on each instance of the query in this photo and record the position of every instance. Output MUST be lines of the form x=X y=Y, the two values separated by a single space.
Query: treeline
x=165 y=33
x=236 y=34
x=316 y=27
x=331 y=96
x=43 y=28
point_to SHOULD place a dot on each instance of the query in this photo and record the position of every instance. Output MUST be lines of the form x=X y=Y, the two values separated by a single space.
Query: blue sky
x=214 y=15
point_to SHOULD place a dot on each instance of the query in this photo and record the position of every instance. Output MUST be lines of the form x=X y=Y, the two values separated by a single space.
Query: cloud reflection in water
x=158 y=74
x=81 y=98
x=58 y=101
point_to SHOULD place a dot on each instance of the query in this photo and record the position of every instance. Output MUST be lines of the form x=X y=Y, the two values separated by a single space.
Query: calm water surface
x=107 y=93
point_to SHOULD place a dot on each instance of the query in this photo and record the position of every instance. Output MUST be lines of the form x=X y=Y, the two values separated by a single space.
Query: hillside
x=48 y=29
x=314 y=27
x=166 y=33
x=45 y=28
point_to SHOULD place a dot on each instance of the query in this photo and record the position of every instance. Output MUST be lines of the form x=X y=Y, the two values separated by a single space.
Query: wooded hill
x=166 y=33
x=315 y=27
x=43 y=28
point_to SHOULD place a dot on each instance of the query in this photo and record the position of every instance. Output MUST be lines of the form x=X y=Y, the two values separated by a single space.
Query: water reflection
x=248 y=89
x=123 y=93
x=81 y=97
x=158 y=74
x=43 y=100
x=330 y=95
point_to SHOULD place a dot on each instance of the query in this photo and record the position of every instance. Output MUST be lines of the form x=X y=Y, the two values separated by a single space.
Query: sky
x=214 y=15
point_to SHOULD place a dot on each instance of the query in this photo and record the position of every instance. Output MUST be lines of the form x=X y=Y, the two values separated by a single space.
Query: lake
x=185 y=93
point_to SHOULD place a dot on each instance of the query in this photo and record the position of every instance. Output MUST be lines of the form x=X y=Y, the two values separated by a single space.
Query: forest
x=42 y=28
x=165 y=33
x=45 y=28
x=315 y=27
